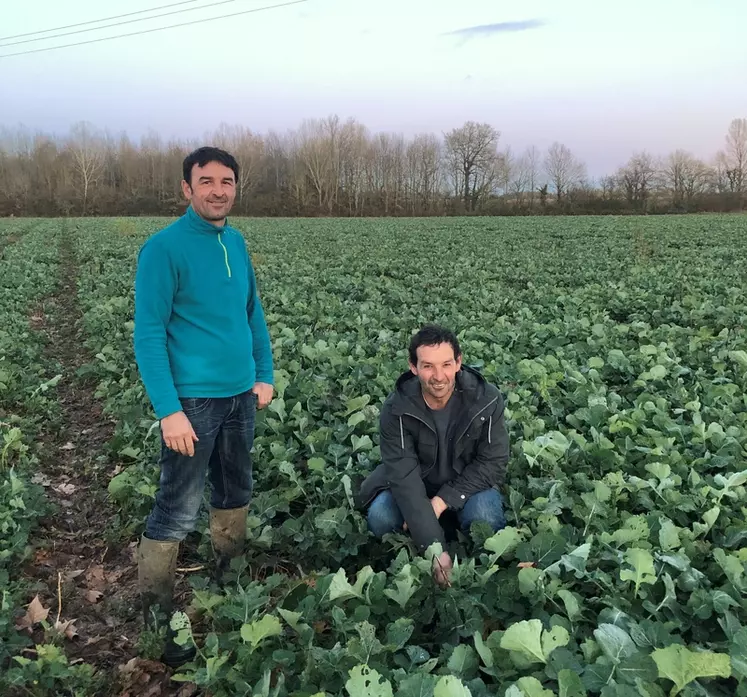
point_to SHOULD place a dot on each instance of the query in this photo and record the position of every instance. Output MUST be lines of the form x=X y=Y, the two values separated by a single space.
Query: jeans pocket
x=194 y=405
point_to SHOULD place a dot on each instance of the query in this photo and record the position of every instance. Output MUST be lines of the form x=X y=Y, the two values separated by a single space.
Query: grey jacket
x=409 y=450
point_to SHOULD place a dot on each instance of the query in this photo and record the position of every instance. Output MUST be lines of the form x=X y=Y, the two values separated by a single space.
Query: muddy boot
x=228 y=533
x=156 y=564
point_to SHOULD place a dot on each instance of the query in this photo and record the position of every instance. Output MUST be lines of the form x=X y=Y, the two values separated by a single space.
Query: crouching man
x=444 y=446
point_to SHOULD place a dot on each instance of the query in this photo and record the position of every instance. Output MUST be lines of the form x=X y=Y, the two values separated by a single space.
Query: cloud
x=483 y=30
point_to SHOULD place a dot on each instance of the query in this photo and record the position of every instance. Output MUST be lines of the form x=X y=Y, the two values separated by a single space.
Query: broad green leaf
x=599 y=674
x=643 y=567
x=357 y=403
x=504 y=541
x=615 y=642
x=531 y=687
x=618 y=690
x=573 y=561
x=569 y=684
x=355 y=419
x=669 y=537
x=399 y=632
x=365 y=644
x=417 y=685
x=404 y=587
x=710 y=517
x=682 y=666
x=316 y=464
x=731 y=566
x=529 y=578
x=450 y=686
x=362 y=443
x=340 y=588
x=119 y=483
x=658 y=372
x=483 y=651
x=738 y=652
x=463 y=661
x=292 y=618
x=739 y=357
x=366 y=682
x=253 y=633
x=528 y=639
x=572 y=607
x=635 y=668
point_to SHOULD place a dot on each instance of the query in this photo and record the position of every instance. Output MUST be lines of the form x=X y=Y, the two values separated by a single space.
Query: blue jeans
x=384 y=515
x=225 y=428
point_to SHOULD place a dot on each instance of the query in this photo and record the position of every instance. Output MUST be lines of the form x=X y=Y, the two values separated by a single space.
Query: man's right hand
x=442 y=566
x=178 y=433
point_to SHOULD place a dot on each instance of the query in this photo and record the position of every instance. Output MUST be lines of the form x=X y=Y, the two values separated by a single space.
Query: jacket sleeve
x=487 y=469
x=155 y=285
x=262 y=347
x=402 y=469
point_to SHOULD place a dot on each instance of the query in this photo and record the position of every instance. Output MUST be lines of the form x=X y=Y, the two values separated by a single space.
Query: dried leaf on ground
x=93 y=596
x=35 y=612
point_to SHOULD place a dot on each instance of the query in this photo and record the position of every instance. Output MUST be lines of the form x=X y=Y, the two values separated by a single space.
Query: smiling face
x=211 y=191
x=436 y=370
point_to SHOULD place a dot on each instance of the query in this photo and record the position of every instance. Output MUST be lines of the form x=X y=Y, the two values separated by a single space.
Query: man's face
x=211 y=191
x=436 y=369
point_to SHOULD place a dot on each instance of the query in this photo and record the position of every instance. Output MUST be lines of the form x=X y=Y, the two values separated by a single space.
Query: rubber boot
x=156 y=565
x=228 y=534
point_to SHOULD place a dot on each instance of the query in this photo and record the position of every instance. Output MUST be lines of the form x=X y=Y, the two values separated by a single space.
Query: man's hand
x=442 y=566
x=439 y=505
x=178 y=433
x=264 y=394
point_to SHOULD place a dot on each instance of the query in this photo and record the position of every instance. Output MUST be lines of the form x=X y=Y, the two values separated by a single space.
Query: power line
x=117 y=24
x=150 y=31
x=95 y=21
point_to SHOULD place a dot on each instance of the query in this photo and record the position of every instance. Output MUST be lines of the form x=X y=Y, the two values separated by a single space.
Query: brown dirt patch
x=81 y=570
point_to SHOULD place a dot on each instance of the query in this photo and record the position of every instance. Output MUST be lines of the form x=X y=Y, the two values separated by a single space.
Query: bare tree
x=87 y=149
x=736 y=154
x=471 y=153
x=563 y=169
x=520 y=177
x=533 y=164
x=424 y=175
x=636 y=179
x=249 y=150
x=316 y=153
x=329 y=166
x=685 y=177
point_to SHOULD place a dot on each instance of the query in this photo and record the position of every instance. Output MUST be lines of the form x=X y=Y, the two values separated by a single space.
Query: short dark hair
x=432 y=335
x=202 y=156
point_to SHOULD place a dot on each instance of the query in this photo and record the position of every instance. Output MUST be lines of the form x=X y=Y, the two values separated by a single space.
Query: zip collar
x=199 y=224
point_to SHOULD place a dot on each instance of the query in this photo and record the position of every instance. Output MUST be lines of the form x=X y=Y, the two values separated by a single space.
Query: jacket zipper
x=435 y=459
x=492 y=401
x=225 y=255
x=423 y=421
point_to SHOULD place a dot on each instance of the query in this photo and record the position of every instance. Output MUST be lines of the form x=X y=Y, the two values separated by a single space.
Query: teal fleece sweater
x=200 y=330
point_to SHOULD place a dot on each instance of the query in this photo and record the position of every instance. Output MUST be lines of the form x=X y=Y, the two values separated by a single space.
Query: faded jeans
x=225 y=429
x=384 y=515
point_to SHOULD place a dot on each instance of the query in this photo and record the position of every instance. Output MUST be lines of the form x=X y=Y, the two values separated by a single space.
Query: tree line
x=331 y=167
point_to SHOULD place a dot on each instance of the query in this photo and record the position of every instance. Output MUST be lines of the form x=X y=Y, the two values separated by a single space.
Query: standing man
x=444 y=446
x=204 y=354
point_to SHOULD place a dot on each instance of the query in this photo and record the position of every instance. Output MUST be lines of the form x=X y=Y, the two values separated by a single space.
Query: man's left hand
x=439 y=505
x=264 y=394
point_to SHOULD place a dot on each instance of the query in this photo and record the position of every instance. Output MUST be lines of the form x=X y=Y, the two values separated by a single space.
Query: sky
x=605 y=78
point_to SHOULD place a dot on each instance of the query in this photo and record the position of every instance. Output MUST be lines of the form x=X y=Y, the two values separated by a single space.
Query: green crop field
x=621 y=347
